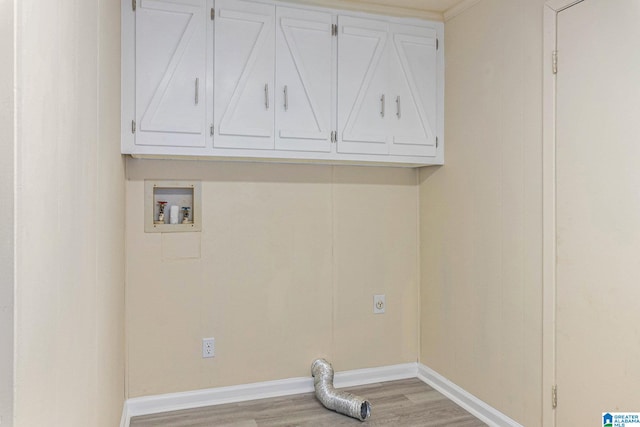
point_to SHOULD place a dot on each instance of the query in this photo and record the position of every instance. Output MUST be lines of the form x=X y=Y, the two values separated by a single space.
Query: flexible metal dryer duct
x=339 y=401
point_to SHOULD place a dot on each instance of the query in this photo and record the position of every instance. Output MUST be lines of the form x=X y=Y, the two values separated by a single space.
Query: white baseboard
x=125 y=419
x=472 y=404
x=216 y=396
x=374 y=375
x=240 y=393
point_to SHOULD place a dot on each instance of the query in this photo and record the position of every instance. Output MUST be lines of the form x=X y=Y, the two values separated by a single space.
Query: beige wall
x=480 y=214
x=70 y=216
x=283 y=272
x=289 y=256
x=7 y=181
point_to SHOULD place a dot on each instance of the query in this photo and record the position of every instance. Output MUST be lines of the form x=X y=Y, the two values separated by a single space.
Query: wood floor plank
x=396 y=403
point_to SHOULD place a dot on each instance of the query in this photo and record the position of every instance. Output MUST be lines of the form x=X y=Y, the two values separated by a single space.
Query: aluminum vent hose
x=339 y=401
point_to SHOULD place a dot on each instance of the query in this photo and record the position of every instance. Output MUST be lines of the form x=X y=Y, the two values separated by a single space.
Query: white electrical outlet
x=208 y=347
x=379 y=304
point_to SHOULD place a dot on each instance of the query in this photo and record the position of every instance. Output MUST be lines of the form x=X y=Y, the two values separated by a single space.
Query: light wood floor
x=399 y=403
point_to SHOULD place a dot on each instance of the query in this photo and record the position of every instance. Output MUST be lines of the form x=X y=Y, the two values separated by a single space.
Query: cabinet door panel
x=413 y=88
x=170 y=74
x=304 y=80
x=362 y=83
x=244 y=75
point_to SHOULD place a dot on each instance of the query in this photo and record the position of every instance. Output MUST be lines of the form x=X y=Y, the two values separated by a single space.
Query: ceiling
x=438 y=10
x=438 y=6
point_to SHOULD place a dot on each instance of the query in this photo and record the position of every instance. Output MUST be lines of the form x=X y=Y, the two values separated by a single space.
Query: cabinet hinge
x=133 y=5
x=211 y=131
x=554 y=396
x=213 y=14
x=554 y=62
x=133 y=126
x=334 y=30
x=437 y=43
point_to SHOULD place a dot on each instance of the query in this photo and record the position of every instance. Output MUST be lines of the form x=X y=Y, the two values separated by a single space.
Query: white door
x=244 y=75
x=170 y=73
x=363 y=101
x=412 y=68
x=598 y=211
x=304 y=91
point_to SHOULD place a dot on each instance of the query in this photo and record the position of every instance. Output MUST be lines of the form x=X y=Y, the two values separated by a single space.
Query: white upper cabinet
x=387 y=90
x=244 y=64
x=412 y=97
x=363 y=75
x=273 y=77
x=305 y=83
x=274 y=80
x=170 y=73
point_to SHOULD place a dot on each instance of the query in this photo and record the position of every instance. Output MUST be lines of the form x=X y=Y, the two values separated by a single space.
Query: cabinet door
x=412 y=72
x=170 y=73
x=304 y=80
x=362 y=86
x=244 y=75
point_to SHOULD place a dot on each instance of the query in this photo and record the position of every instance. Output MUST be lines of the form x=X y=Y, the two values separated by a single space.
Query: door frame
x=549 y=91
